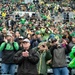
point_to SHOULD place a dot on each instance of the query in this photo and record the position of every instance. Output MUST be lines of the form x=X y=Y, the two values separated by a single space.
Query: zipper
x=40 y=64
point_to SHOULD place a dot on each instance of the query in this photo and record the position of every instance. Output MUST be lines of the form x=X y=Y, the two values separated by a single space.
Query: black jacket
x=8 y=54
x=27 y=64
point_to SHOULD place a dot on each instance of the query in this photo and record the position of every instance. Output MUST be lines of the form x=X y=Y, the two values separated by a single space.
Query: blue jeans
x=60 y=71
x=5 y=68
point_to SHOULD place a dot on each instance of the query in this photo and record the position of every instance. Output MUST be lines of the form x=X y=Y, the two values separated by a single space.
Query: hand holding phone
x=25 y=54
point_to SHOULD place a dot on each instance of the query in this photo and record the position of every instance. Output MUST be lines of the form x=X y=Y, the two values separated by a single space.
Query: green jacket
x=42 y=66
x=43 y=58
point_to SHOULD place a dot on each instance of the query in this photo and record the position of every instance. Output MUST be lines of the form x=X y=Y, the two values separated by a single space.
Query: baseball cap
x=21 y=37
x=26 y=40
x=9 y=34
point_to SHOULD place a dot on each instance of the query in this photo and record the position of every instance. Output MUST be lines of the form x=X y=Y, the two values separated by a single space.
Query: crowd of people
x=37 y=41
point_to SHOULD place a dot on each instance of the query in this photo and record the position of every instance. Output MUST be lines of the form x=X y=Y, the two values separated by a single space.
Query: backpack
x=8 y=54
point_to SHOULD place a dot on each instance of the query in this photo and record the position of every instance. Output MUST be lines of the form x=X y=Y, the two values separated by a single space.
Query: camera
x=43 y=46
x=53 y=40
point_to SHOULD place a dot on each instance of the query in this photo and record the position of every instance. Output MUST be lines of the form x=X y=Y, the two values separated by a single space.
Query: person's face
x=9 y=38
x=55 y=43
x=73 y=39
x=20 y=25
x=34 y=37
x=56 y=31
x=26 y=45
x=65 y=33
x=4 y=31
x=41 y=47
x=20 y=40
x=39 y=36
x=52 y=28
x=17 y=34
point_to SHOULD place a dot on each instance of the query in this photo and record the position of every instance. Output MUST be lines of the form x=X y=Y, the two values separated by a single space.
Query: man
x=35 y=41
x=26 y=60
x=59 y=52
x=10 y=22
x=8 y=48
